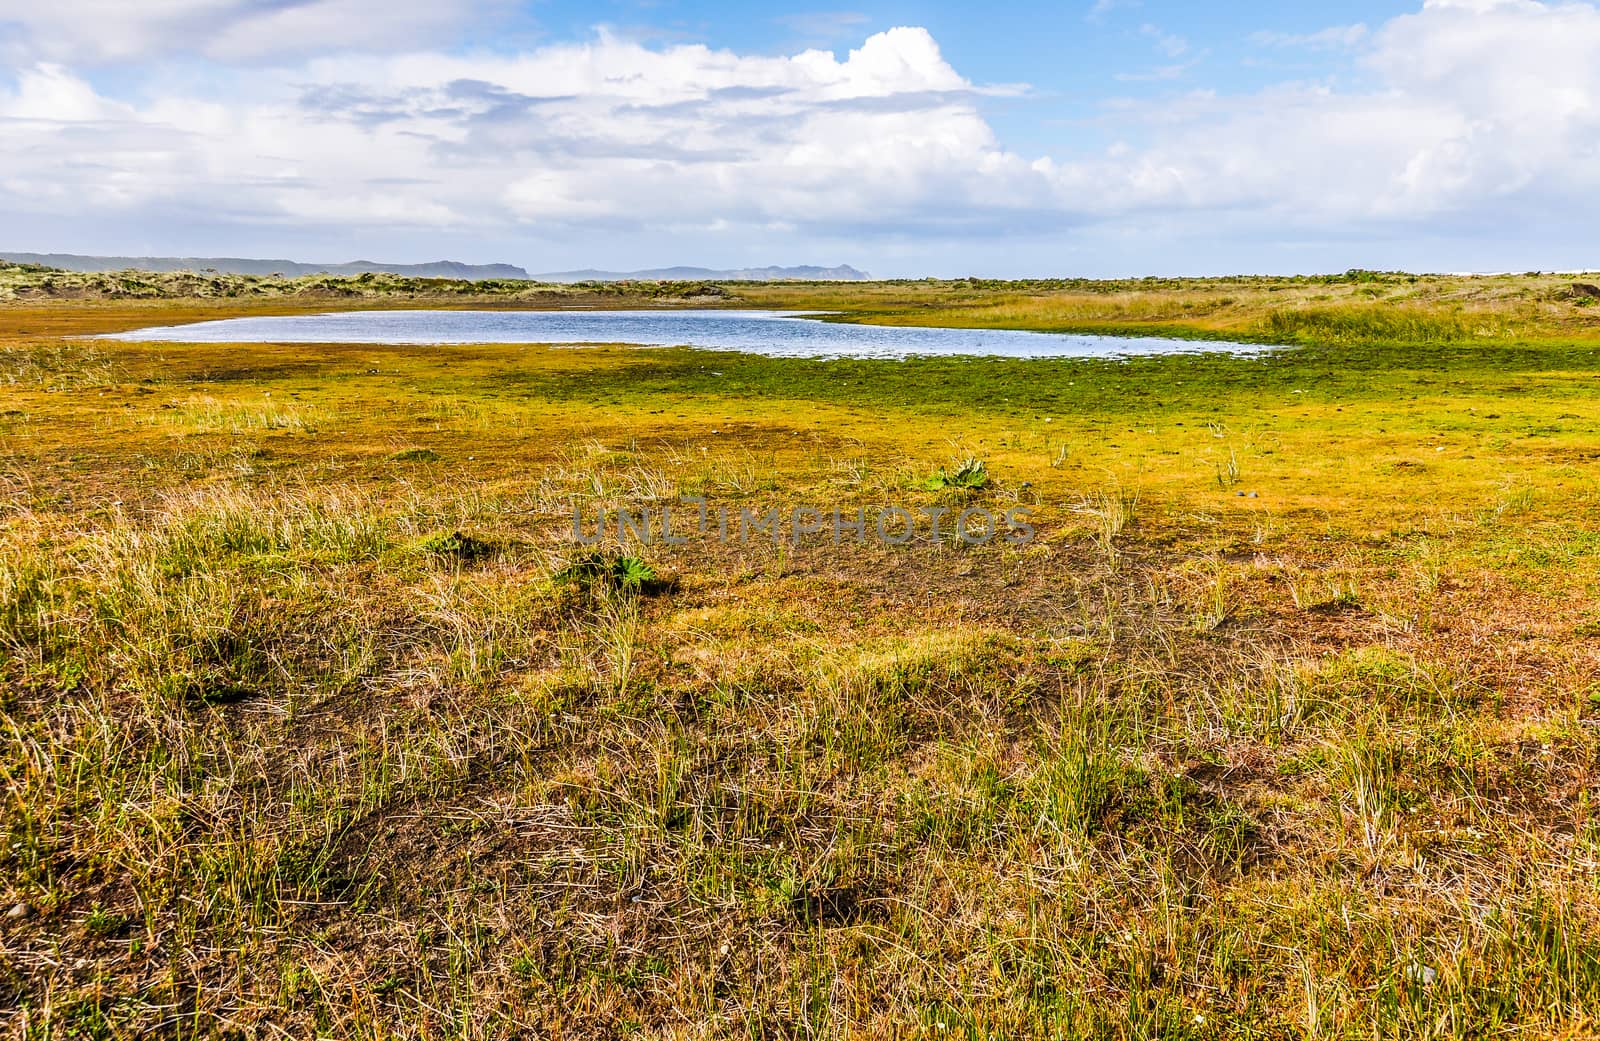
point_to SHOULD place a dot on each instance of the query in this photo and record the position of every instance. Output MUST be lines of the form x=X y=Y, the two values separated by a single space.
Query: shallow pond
x=777 y=334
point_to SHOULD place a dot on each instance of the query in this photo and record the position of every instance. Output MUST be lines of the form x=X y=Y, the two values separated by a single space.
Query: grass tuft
x=416 y=455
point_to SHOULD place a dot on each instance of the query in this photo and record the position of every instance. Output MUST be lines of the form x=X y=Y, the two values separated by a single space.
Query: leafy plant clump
x=972 y=475
x=621 y=573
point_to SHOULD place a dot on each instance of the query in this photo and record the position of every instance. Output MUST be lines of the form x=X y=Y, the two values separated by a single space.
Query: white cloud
x=1101 y=8
x=1476 y=112
x=824 y=28
x=1481 y=113
x=99 y=31
x=1332 y=38
x=1170 y=44
x=1159 y=74
x=609 y=131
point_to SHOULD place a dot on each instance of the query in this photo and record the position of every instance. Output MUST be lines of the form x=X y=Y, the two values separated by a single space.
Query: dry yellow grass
x=307 y=728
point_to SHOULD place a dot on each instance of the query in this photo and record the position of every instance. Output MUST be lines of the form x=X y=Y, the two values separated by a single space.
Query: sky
x=1077 y=138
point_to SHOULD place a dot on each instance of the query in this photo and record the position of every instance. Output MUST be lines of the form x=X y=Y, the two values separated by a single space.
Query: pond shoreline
x=772 y=333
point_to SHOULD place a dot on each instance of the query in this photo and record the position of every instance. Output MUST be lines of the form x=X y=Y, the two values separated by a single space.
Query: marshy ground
x=1284 y=726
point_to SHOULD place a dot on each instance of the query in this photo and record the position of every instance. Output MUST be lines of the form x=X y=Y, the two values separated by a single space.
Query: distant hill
x=241 y=266
x=804 y=273
x=439 y=269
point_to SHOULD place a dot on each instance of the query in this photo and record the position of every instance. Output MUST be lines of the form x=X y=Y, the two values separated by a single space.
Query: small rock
x=19 y=911
x=1423 y=974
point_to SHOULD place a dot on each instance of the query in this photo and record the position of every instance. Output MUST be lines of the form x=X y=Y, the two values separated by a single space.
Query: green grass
x=314 y=717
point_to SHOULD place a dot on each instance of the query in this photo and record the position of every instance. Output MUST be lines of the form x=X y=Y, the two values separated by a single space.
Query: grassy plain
x=1284 y=726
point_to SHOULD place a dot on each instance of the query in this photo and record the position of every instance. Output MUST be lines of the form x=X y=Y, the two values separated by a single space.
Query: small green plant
x=622 y=573
x=632 y=573
x=972 y=475
x=99 y=922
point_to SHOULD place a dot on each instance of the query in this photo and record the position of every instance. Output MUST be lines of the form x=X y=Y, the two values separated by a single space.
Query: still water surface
x=777 y=334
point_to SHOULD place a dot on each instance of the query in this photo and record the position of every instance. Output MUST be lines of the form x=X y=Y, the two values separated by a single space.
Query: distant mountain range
x=242 y=266
x=804 y=273
x=440 y=269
